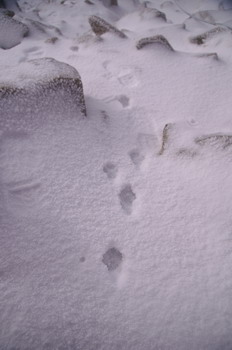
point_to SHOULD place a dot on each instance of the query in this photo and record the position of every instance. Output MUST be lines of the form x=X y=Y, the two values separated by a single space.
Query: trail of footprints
x=126 y=195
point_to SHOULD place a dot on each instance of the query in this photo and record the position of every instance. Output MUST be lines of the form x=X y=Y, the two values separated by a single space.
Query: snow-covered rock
x=100 y=26
x=38 y=88
x=11 y=31
x=154 y=40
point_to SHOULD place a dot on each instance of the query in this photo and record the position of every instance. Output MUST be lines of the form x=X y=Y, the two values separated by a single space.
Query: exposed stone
x=151 y=13
x=100 y=26
x=158 y=39
x=42 y=28
x=11 y=30
x=10 y=5
x=201 y=39
x=6 y=12
x=212 y=55
x=52 y=40
x=38 y=88
x=221 y=140
x=165 y=137
x=205 y=16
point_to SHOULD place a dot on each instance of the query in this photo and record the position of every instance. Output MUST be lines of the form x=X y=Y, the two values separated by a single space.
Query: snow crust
x=115 y=229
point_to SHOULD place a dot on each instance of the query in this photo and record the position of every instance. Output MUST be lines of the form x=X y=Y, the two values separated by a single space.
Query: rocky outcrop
x=154 y=40
x=40 y=88
x=219 y=140
x=10 y=5
x=100 y=26
x=11 y=30
x=202 y=38
x=147 y=13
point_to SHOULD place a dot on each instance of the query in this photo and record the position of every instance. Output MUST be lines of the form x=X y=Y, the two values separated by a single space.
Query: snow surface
x=116 y=229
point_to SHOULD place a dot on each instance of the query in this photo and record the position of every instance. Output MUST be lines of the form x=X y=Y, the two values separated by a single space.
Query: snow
x=115 y=229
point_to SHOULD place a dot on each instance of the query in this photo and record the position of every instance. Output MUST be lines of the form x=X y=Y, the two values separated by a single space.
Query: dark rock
x=219 y=140
x=11 y=30
x=7 y=12
x=158 y=39
x=165 y=137
x=52 y=40
x=100 y=26
x=152 y=13
x=202 y=38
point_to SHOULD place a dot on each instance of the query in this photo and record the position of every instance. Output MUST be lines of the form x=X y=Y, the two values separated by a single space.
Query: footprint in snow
x=126 y=198
x=123 y=100
x=136 y=157
x=112 y=258
x=127 y=78
x=111 y=170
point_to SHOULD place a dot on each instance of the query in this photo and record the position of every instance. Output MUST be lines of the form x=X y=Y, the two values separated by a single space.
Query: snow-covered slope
x=115 y=229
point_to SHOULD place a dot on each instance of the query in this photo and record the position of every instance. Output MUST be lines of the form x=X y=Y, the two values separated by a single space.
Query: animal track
x=122 y=99
x=74 y=48
x=136 y=157
x=112 y=258
x=127 y=78
x=111 y=170
x=127 y=197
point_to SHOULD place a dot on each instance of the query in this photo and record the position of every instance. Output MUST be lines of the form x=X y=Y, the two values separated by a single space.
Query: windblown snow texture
x=115 y=228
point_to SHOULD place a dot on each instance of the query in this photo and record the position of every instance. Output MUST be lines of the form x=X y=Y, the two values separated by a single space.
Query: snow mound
x=39 y=87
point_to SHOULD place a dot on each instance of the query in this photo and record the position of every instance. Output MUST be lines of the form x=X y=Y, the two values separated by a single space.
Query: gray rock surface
x=100 y=26
x=37 y=89
x=157 y=39
x=11 y=30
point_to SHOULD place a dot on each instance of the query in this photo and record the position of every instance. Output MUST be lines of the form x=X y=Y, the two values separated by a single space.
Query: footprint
x=128 y=79
x=112 y=258
x=136 y=157
x=111 y=170
x=105 y=116
x=126 y=76
x=127 y=197
x=105 y=64
x=122 y=99
x=74 y=48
